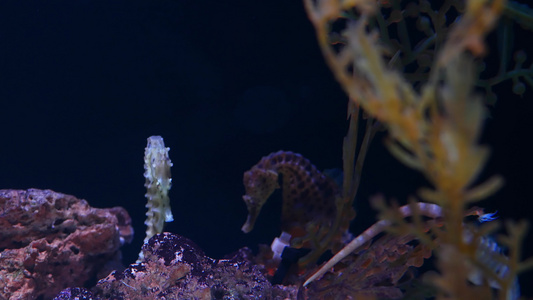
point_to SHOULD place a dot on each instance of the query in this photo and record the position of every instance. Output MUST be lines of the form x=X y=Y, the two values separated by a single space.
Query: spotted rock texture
x=50 y=241
x=175 y=268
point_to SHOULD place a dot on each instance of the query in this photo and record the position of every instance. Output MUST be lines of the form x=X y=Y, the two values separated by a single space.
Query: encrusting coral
x=175 y=268
x=50 y=241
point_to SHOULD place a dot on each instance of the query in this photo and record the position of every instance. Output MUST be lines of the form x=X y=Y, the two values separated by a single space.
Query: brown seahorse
x=309 y=197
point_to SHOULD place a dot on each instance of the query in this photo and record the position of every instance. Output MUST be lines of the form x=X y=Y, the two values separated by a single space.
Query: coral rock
x=175 y=268
x=50 y=241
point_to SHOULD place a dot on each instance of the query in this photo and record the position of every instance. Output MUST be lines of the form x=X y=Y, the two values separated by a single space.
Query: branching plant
x=424 y=96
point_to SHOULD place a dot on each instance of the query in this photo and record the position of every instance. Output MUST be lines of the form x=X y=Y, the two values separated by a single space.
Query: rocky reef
x=50 y=241
x=175 y=268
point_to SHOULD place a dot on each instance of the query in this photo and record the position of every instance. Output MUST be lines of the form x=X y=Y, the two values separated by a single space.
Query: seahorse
x=309 y=197
x=158 y=182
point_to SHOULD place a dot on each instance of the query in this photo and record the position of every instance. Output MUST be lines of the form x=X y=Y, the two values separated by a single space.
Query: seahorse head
x=259 y=185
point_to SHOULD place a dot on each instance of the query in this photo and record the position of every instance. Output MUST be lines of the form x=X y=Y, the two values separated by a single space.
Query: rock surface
x=175 y=268
x=50 y=241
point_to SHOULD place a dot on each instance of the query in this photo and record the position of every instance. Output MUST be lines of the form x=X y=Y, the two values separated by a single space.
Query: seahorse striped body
x=308 y=195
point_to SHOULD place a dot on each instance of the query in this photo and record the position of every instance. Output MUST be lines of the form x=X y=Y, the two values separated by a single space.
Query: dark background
x=84 y=83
